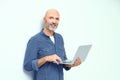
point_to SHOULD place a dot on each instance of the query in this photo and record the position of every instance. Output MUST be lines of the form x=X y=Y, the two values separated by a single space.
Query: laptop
x=81 y=52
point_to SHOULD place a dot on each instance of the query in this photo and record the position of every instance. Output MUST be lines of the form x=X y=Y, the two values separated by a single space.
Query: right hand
x=54 y=58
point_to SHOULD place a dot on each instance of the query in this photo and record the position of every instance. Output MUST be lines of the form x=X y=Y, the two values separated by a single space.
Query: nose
x=54 y=21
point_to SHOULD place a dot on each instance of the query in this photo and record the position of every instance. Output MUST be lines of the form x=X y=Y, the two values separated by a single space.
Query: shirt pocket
x=45 y=51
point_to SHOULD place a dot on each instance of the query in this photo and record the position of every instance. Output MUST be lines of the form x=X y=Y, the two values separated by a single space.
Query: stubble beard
x=48 y=26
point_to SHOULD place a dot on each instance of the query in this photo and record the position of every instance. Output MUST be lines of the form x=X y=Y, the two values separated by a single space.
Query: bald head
x=52 y=12
x=51 y=19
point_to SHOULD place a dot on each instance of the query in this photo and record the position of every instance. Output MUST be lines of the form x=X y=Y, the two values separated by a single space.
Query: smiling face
x=51 y=19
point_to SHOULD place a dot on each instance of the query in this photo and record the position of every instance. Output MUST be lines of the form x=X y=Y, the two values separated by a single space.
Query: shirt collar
x=45 y=34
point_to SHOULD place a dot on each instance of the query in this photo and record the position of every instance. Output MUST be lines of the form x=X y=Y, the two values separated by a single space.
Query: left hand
x=76 y=63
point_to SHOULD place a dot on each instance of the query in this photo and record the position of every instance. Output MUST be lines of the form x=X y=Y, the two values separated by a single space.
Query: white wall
x=82 y=22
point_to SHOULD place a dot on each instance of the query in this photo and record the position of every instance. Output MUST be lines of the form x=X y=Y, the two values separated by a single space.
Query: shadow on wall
x=29 y=74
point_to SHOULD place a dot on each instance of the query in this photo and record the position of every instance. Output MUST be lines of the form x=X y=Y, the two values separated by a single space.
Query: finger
x=58 y=59
x=79 y=60
x=56 y=62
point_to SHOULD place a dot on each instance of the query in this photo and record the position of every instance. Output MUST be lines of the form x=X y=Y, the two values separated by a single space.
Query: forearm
x=69 y=65
x=51 y=58
x=41 y=61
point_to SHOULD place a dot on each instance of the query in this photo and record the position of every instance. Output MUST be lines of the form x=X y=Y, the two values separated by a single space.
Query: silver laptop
x=81 y=52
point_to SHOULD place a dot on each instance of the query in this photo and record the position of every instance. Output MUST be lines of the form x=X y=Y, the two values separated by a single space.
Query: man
x=45 y=51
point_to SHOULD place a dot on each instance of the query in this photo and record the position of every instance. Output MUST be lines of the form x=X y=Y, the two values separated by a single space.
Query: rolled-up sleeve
x=35 y=64
x=30 y=60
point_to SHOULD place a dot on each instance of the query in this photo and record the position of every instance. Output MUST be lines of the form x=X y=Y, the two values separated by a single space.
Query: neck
x=48 y=32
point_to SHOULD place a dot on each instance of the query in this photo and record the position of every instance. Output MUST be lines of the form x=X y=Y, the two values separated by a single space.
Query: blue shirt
x=40 y=46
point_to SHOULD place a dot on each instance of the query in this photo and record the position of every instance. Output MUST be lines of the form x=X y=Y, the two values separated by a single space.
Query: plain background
x=95 y=22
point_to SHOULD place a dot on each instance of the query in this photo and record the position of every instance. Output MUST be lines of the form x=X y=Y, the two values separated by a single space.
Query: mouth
x=53 y=25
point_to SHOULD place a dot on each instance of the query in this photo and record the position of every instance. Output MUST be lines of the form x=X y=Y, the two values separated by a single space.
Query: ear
x=44 y=19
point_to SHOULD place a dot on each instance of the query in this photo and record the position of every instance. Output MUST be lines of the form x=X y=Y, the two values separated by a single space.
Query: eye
x=50 y=17
x=57 y=19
